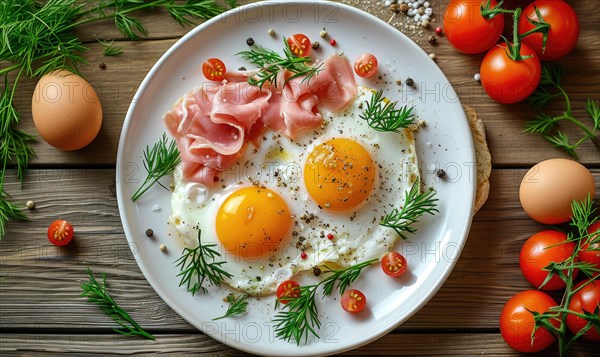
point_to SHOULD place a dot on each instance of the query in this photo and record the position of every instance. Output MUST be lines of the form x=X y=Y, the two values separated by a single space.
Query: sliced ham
x=213 y=124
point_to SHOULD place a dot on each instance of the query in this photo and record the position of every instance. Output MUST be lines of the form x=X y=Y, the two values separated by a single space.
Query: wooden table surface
x=40 y=310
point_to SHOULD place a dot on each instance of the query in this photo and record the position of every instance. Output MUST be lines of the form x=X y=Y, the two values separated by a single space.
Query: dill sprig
x=96 y=292
x=300 y=317
x=415 y=205
x=547 y=125
x=195 y=267
x=39 y=37
x=110 y=49
x=159 y=161
x=382 y=115
x=238 y=305
x=272 y=63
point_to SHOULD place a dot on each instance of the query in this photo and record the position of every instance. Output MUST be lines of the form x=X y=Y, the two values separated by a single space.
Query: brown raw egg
x=549 y=188
x=66 y=110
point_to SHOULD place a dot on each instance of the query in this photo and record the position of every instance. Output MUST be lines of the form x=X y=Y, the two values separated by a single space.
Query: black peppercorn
x=149 y=232
x=441 y=173
x=250 y=41
x=316 y=271
x=409 y=82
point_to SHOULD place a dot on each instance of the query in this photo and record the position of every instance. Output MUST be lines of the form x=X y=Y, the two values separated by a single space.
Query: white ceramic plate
x=444 y=143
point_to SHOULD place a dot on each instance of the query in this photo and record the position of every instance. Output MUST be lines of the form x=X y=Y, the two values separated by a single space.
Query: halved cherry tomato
x=214 y=69
x=300 y=45
x=393 y=264
x=539 y=251
x=588 y=299
x=517 y=323
x=591 y=254
x=60 y=233
x=288 y=288
x=563 y=33
x=365 y=65
x=353 y=301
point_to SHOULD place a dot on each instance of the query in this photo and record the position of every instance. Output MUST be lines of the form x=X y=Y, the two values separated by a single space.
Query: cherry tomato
x=393 y=264
x=591 y=254
x=536 y=254
x=563 y=33
x=468 y=31
x=508 y=81
x=60 y=233
x=214 y=69
x=588 y=299
x=288 y=288
x=365 y=65
x=299 y=44
x=516 y=323
x=353 y=301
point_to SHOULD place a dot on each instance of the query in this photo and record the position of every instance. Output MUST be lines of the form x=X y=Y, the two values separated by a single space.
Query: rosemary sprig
x=300 y=317
x=38 y=37
x=547 y=125
x=415 y=205
x=195 y=267
x=97 y=293
x=159 y=161
x=382 y=115
x=583 y=217
x=237 y=305
x=272 y=63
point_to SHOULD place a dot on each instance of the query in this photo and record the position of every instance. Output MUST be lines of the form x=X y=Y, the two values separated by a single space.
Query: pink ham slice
x=213 y=124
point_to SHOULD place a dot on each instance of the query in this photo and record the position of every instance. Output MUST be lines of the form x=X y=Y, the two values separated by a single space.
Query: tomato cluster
x=539 y=252
x=545 y=30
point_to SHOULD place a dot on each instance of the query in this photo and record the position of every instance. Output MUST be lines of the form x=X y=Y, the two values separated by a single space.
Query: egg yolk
x=252 y=222
x=339 y=174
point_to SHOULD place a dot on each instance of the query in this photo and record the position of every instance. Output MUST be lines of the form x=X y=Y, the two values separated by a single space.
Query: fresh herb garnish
x=110 y=49
x=415 y=205
x=96 y=293
x=547 y=125
x=272 y=63
x=583 y=217
x=382 y=115
x=39 y=37
x=159 y=161
x=300 y=317
x=195 y=267
x=237 y=305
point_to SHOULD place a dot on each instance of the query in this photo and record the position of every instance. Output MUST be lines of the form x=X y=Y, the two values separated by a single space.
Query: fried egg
x=290 y=205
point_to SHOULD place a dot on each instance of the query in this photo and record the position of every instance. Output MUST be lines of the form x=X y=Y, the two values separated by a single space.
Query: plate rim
x=121 y=198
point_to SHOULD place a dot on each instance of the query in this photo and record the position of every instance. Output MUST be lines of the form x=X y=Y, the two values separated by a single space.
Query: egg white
x=278 y=165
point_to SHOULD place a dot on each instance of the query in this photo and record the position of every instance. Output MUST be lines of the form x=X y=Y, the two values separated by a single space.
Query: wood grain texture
x=41 y=282
x=509 y=146
x=397 y=344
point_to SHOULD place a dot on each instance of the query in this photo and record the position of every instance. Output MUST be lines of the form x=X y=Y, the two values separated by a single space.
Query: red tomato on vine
x=562 y=35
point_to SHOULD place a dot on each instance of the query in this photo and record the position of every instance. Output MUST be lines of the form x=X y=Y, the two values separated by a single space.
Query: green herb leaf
x=198 y=264
x=237 y=305
x=415 y=205
x=382 y=115
x=110 y=49
x=159 y=161
x=271 y=63
x=97 y=293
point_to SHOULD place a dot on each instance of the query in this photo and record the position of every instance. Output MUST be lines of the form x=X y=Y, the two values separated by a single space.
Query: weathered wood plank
x=510 y=147
x=394 y=344
x=41 y=282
